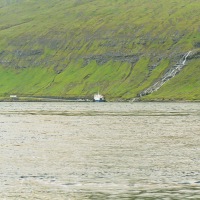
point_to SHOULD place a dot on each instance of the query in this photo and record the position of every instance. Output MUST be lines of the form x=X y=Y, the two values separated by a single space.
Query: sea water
x=82 y=151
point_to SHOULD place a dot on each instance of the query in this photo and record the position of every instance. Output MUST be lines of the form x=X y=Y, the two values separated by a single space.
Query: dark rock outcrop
x=104 y=58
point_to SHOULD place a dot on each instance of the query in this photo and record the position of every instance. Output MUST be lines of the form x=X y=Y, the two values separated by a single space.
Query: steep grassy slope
x=76 y=47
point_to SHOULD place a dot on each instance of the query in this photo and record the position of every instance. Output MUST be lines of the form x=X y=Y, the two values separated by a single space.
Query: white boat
x=99 y=98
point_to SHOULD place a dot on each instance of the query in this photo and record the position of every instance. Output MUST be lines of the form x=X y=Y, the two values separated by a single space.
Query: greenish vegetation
x=184 y=86
x=73 y=48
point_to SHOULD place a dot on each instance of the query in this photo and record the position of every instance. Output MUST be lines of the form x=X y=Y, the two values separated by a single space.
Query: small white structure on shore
x=13 y=96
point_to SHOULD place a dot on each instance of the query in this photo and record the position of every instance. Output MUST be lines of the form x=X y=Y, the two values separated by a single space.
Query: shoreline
x=43 y=99
x=73 y=99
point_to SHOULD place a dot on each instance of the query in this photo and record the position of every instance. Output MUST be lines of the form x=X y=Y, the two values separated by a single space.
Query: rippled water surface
x=99 y=151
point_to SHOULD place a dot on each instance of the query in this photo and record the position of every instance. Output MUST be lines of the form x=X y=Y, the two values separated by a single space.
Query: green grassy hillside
x=73 y=48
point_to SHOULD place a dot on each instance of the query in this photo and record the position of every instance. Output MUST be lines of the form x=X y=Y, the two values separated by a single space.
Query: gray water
x=81 y=151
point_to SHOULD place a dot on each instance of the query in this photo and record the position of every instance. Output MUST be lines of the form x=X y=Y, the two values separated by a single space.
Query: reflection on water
x=99 y=151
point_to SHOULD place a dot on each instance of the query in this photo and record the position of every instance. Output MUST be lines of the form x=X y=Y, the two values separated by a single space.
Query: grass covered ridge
x=72 y=48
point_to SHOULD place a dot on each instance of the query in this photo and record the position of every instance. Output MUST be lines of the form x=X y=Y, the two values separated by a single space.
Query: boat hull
x=99 y=100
